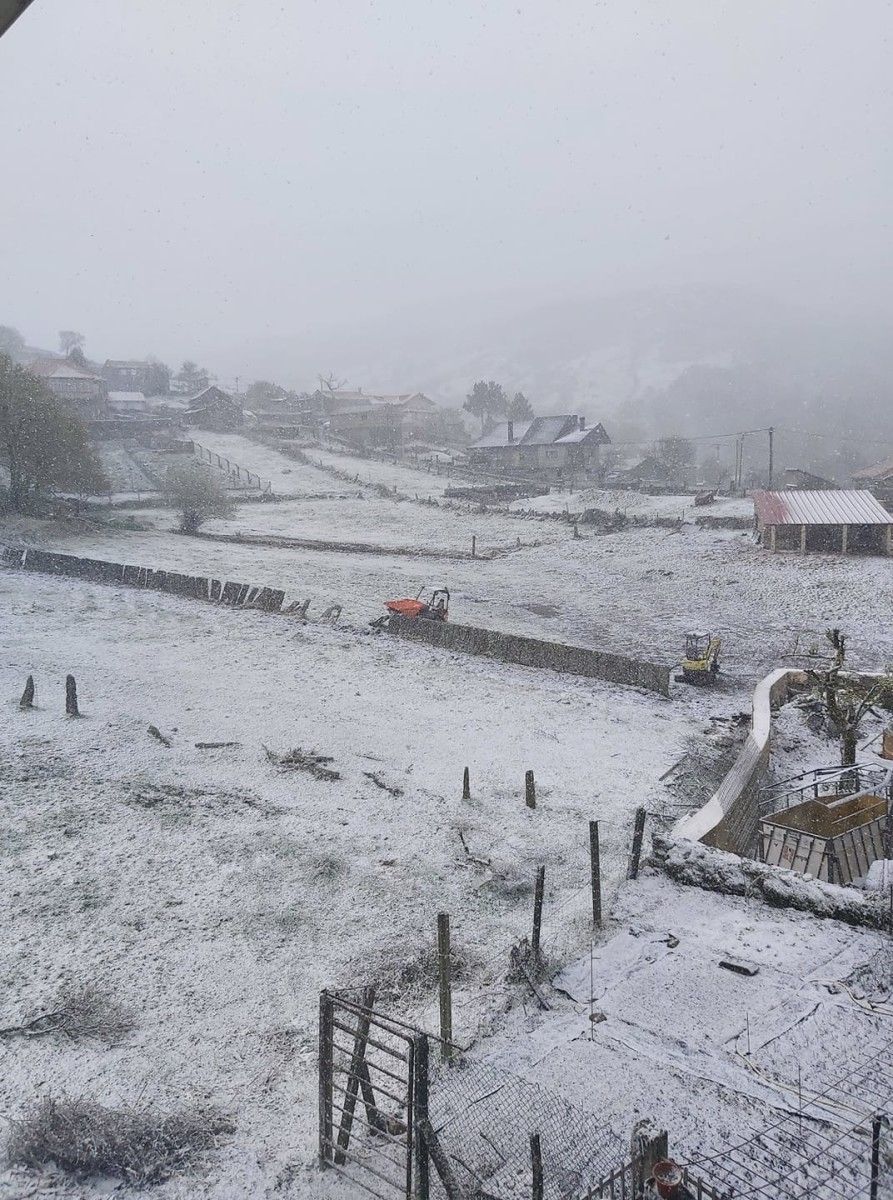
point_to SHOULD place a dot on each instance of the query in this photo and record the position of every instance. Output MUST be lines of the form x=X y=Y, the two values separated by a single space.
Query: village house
x=878 y=479
x=842 y=522
x=84 y=391
x=213 y=408
x=379 y=419
x=127 y=375
x=797 y=479
x=554 y=446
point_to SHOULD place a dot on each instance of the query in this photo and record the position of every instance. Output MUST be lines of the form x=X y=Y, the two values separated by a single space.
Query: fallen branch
x=481 y=862
x=305 y=760
x=391 y=789
x=159 y=736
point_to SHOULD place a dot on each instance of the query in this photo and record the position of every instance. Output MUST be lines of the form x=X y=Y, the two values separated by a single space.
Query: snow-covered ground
x=635 y=504
x=710 y=1055
x=215 y=894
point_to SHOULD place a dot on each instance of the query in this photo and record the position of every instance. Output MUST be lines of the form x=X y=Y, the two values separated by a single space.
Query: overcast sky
x=198 y=176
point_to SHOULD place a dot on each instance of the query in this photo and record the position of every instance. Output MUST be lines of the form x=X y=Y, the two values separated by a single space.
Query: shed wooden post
x=844 y=537
x=802 y=539
x=772 y=536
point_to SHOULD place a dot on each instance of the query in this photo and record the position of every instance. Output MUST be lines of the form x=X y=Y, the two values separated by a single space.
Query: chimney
x=582 y=421
x=511 y=425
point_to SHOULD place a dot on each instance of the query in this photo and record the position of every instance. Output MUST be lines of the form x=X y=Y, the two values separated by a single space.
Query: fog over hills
x=693 y=360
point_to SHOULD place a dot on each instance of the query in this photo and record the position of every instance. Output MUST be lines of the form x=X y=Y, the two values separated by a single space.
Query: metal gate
x=373 y=1098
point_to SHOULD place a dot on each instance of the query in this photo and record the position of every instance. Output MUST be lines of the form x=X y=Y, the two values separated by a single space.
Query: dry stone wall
x=531 y=652
x=196 y=587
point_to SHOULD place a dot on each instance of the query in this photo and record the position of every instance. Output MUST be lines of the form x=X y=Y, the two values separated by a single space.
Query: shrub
x=85 y=1138
x=197 y=494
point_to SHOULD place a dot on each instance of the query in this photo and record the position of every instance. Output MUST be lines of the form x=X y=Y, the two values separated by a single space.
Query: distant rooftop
x=60 y=368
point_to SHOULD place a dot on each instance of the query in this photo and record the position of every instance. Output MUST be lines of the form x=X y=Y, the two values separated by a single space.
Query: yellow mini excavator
x=701 y=662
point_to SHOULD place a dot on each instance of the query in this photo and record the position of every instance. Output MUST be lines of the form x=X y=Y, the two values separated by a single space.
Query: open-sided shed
x=843 y=522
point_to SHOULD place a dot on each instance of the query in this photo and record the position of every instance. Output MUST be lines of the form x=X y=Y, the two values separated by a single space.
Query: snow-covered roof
x=499 y=435
x=60 y=368
x=545 y=431
x=843 y=507
x=596 y=433
x=879 y=471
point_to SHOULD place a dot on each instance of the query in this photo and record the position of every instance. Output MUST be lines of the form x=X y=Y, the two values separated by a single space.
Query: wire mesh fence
x=484 y=1116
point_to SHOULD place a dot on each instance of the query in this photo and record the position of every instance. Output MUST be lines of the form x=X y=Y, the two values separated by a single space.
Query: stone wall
x=531 y=652
x=697 y=865
x=196 y=587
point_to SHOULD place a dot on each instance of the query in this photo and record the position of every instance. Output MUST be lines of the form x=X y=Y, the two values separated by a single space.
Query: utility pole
x=771 y=432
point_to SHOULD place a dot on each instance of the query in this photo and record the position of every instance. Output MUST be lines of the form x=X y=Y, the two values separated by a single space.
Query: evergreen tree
x=486 y=400
x=42 y=443
x=520 y=408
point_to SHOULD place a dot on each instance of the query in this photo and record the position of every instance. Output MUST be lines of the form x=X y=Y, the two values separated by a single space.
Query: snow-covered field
x=215 y=893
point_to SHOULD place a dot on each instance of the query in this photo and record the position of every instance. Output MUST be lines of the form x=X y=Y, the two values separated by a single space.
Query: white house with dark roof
x=555 y=445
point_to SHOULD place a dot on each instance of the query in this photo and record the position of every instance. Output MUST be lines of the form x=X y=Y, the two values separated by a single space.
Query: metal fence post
x=325 y=1078
x=421 y=1191
x=638 y=836
x=536 y=1167
x=538 y=892
x=596 y=874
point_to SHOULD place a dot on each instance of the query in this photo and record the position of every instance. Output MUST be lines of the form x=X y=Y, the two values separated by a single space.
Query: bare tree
x=846 y=698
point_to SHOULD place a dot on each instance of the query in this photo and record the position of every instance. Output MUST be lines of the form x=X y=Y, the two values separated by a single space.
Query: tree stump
x=71 y=697
x=27 y=700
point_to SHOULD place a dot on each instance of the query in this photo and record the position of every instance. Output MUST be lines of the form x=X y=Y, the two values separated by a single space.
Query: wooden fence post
x=529 y=790
x=466 y=784
x=595 y=870
x=71 y=696
x=446 y=994
x=420 y=1116
x=473 y=546
x=638 y=837
x=536 y=1167
x=27 y=700
x=538 y=912
x=325 y=1078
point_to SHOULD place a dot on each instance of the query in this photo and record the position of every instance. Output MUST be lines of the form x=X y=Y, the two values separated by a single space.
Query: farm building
x=842 y=522
x=550 y=445
x=795 y=478
x=878 y=479
x=214 y=408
